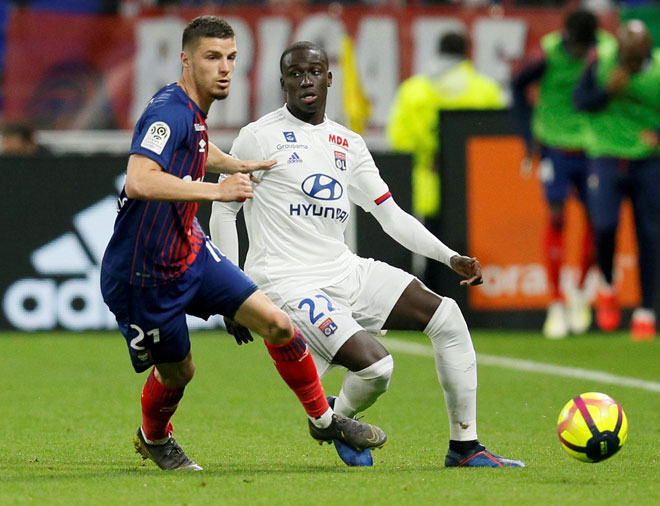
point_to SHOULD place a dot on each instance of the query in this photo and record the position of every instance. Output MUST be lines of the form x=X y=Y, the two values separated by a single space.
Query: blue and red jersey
x=154 y=241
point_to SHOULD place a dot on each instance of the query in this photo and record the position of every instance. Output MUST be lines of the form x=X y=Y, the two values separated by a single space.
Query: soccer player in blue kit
x=160 y=266
x=299 y=258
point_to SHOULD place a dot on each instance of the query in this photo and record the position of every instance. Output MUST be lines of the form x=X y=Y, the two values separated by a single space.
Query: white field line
x=529 y=365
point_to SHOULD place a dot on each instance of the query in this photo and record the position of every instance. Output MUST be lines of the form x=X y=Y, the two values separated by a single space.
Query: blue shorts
x=561 y=171
x=153 y=320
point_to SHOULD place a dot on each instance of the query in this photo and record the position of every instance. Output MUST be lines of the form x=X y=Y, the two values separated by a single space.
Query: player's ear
x=282 y=83
x=185 y=62
x=329 y=79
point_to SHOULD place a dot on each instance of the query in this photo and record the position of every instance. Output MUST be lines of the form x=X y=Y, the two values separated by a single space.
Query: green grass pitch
x=69 y=405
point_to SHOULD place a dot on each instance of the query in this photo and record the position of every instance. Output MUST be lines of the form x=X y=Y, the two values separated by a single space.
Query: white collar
x=287 y=114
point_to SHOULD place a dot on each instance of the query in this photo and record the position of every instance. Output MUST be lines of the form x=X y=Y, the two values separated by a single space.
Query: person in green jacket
x=556 y=131
x=620 y=89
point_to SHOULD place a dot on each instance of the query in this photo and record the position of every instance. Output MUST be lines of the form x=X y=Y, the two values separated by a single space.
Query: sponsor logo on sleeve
x=156 y=138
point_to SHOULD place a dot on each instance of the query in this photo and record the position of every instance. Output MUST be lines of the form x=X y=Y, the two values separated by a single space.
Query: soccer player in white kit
x=298 y=257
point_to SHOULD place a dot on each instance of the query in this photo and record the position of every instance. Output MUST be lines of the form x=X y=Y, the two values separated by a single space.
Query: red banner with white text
x=98 y=72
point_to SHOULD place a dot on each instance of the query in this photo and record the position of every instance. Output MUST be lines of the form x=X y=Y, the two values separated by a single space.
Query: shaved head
x=302 y=45
x=635 y=45
x=634 y=32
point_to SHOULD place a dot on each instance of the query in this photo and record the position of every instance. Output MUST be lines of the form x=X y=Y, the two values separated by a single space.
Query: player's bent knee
x=279 y=328
x=258 y=313
x=448 y=328
x=379 y=373
x=176 y=375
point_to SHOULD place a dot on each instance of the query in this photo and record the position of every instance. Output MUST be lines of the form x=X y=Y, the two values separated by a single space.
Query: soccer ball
x=592 y=427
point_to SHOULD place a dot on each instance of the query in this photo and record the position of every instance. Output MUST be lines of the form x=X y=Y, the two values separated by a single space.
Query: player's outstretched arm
x=146 y=180
x=220 y=162
x=410 y=233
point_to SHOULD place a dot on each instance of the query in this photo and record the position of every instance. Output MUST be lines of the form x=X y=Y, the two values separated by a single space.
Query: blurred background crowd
x=51 y=102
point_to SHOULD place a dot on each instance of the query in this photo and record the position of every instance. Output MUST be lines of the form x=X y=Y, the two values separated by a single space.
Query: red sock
x=588 y=253
x=554 y=253
x=296 y=366
x=158 y=405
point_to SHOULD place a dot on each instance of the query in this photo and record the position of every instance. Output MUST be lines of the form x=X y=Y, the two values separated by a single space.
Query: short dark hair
x=581 y=26
x=454 y=44
x=303 y=44
x=206 y=26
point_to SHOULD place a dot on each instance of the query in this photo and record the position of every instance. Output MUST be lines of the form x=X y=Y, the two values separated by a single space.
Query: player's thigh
x=360 y=351
x=152 y=320
x=378 y=289
x=604 y=192
x=578 y=174
x=414 y=309
x=223 y=287
x=325 y=323
x=554 y=174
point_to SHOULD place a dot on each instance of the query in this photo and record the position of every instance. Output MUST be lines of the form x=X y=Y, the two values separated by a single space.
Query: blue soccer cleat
x=479 y=457
x=349 y=455
x=353 y=457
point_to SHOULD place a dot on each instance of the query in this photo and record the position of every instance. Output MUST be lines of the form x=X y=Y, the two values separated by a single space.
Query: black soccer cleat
x=168 y=456
x=359 y=435
x=349 y=455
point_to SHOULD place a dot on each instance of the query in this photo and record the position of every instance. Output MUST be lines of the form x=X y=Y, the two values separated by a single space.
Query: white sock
x=158 y=441
x=322 y=421
x=360 y=389
x=456 y=365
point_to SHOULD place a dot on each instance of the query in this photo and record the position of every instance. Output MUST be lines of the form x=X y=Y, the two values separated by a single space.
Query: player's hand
x=240 y=333
x=468 y=267
x=249 y=166
x=618 y=80
x=235 y=187
x=650 y=138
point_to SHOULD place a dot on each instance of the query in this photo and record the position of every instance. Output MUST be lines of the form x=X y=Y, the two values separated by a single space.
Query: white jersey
x=300 y=209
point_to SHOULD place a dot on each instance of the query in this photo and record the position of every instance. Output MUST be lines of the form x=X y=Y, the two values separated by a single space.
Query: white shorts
x=329 y=316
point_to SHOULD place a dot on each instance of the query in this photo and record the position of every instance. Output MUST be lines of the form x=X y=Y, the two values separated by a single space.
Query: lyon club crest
x=340 y=160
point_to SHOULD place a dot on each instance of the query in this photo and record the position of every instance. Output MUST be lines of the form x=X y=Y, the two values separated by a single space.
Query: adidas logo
x=67 y=293
x=294 y=158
